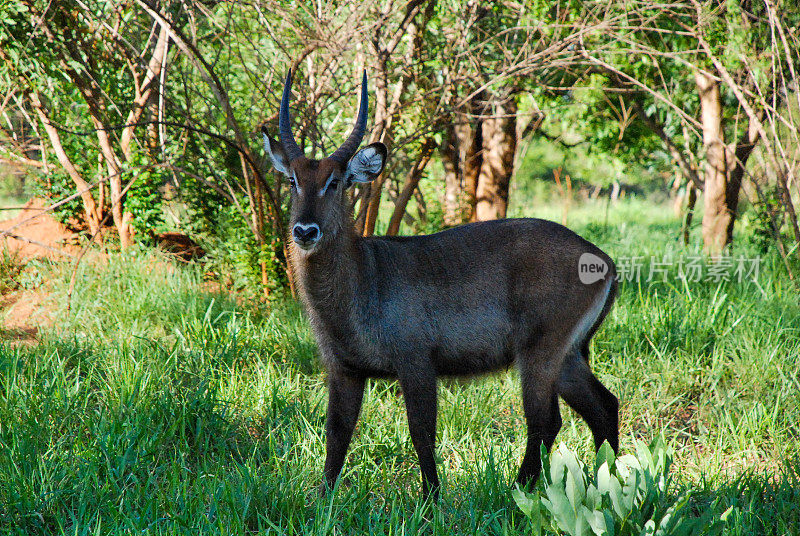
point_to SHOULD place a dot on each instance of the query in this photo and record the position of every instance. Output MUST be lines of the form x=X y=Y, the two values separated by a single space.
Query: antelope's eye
x=333 y=184
x=292 y=182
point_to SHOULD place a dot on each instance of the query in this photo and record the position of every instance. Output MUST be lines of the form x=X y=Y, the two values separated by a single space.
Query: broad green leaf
x=561 y=509
x=626 y=462
x=605 y=454
x=610 y=525
x=649 y=528
x=575 y=476
x=645 y=456
x=604 y=479
x=557 y=465
x=582 y=526
x=630 y=490
x=531 y=507
x=545 y=457
x=594 y=499
x=596 y=521
x=614 y=490
x=524 y=501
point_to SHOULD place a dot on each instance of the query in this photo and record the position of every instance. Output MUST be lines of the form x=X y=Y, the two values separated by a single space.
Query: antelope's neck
x=329 y=279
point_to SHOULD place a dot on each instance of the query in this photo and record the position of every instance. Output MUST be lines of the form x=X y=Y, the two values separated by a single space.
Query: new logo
x=591 y=268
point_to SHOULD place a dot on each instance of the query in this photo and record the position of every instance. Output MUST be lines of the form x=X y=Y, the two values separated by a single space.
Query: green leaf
x=649 y=528
x=531 y=508
x=594 y=499
x=545 y=457
x=596 y=520
x=645 y=456
x=604 y=479
x=524 y=501
x=557 y=466
x=576 y=485
x=612 y=486
x=665 y=525
x=630 y=490
x=605 y=454
x=610 y=525
x=582 y=526
x=561 y=509
x=726 y=514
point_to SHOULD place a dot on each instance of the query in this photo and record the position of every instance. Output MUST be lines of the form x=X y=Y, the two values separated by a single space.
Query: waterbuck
x=461 y=302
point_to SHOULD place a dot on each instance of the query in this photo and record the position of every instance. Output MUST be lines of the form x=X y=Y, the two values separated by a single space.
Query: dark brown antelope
x=461 y=302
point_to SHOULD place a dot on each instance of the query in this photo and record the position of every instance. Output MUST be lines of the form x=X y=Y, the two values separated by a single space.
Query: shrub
x=626 y=495
x=11 y=265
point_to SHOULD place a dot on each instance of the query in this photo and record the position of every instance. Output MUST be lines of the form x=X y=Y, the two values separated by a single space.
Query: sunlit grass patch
x=161 y=405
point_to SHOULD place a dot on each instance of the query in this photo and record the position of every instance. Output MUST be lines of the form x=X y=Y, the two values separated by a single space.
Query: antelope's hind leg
x=539 y=369
x=590 y=399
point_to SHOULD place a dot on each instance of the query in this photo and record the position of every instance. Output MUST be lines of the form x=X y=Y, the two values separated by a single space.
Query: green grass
x=158 y=406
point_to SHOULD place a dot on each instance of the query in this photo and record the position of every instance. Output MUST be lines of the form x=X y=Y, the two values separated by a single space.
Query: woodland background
x=141 y=118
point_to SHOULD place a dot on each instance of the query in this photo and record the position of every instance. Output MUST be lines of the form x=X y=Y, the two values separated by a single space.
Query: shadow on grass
x=136 y=437
x=26 y=335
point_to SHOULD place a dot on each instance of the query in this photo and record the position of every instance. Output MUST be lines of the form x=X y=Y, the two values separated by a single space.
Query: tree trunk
x=691 y=199
x=499 y=143
x=453 y=179
x=717 y=218
x=725 y=167
x=386 y=109
x=92 y=213
x=741 y=153
x=461 y=157
x=371 y=193
x=471 y=152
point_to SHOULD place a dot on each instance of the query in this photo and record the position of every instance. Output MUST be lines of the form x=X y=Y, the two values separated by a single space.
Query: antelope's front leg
x=345 y=393
x=419 y=393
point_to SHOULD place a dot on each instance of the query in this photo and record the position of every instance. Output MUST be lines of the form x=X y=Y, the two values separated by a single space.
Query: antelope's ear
x=366 y=164
x=276 y=153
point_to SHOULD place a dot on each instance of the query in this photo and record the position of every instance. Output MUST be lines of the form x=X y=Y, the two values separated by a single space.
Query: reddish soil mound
x=22 y=314
x=35 y=233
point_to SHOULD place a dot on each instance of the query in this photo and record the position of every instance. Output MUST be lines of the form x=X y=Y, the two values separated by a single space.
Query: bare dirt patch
x=22 y=314
x=35 y=233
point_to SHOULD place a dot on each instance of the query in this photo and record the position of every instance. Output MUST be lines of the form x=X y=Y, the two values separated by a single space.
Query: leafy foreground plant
x=626 y=495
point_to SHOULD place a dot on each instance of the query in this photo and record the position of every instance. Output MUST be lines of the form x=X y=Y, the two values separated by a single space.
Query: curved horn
x=348 y=148
x=284 y=124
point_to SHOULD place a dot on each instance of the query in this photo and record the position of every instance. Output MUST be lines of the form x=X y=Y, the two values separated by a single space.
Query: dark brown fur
x=462 y=302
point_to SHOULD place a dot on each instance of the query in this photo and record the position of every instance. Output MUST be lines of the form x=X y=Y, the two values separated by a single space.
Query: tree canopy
x=120 y=107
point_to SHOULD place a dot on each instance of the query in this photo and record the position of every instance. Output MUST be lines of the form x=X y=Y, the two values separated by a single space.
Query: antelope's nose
x=306 y=234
